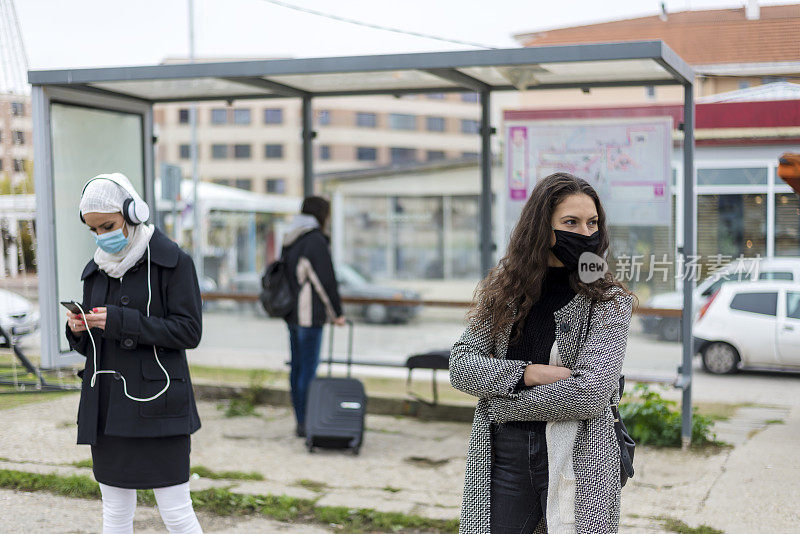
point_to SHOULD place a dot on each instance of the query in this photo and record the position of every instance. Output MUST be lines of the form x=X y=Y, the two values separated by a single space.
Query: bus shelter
x=89 y=120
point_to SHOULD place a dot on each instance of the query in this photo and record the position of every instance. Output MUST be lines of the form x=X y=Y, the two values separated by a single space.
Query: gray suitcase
x=336 y=407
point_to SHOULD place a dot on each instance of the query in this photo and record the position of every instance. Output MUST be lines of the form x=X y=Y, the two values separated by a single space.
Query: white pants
x=174 y=505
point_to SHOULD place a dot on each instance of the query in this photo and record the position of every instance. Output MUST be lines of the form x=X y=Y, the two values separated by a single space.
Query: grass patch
x=223 y=502
x=83 y=463
x=10 y=397
x=380 y=386
x=776 y=422
x=718 y=411
x=676 y=525
x=312 y=485
x=391 y=489
x=205 y=472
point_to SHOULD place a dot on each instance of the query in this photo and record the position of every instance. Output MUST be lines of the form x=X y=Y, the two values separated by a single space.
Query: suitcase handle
x=349 y=348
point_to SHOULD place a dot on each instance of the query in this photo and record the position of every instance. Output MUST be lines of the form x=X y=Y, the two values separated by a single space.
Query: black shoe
x=300 y=431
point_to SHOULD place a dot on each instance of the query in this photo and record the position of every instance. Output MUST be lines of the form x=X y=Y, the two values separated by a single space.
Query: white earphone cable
x=155 y=352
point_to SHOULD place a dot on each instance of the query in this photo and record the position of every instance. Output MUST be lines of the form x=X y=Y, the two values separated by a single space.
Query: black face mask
x=570 y=245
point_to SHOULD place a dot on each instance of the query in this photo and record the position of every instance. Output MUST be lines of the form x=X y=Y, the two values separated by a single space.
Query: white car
x=669 y=328
x=750 y=325
x=17 y=315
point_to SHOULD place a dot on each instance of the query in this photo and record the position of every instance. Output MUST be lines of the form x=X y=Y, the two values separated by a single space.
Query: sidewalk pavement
x=412 y=467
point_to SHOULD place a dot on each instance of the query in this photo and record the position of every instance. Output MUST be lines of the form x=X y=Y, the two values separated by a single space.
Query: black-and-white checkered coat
x=583 y=454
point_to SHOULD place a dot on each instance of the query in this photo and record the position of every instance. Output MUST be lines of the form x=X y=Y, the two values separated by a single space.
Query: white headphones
x=134 y=210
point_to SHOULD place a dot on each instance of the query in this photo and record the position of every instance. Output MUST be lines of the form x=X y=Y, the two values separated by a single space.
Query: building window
x=366 y=153
x=18 y=137
x=219 y=116
x=366 y=120
x=650 y=91
x=731 y=225
x=185 y=151
x=732 y=176
x=469 y=126
x=219 y=151
x=436 y=96
x=323 y=117
x=221 y=181
x=773 y=79
x=244 y=183
x=470 y=155
x=183 y=116
x=744 y=84
x=403 y=155
x=787 y=224
x=241 y=152
x=273 y=116
x=19 y=165
x=434 y=124
x=469 y=97
x=325 y=152
x=1 y=164
x=273 y=151
x=433 y=155
x=276 y=186
x=241 y=116
x=400 y=121
x=17 y=109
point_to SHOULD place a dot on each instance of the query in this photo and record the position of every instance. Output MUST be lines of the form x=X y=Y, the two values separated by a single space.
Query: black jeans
x=519 y=479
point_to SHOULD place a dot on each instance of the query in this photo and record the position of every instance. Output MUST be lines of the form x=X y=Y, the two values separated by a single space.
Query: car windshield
x=349 y=276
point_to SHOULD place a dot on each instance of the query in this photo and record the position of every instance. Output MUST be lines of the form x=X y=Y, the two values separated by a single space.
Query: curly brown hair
x=515 y=284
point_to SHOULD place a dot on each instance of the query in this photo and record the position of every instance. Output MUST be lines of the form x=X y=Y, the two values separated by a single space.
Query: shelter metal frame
x=624 y=64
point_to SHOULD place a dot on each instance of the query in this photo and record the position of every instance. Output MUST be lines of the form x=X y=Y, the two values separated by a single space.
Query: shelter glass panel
x=366 y=235
x=87 y=142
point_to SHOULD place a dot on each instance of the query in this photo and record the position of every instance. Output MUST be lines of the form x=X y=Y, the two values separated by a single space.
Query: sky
x=99 y=33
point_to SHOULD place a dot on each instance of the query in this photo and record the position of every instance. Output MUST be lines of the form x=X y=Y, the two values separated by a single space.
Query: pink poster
x=518 y=162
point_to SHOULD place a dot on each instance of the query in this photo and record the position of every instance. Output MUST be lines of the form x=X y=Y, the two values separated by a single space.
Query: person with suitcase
x=313 y=282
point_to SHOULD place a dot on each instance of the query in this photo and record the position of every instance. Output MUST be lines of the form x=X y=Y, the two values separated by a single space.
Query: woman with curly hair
x=543 y=353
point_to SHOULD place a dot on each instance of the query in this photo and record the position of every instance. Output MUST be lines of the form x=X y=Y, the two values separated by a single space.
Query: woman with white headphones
x=140 y=311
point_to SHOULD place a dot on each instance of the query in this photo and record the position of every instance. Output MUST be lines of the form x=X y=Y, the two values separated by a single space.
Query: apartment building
x=16 y=141
x=256 y=144
x=729 y=49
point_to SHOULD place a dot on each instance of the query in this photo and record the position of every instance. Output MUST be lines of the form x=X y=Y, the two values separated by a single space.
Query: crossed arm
x=583 y=395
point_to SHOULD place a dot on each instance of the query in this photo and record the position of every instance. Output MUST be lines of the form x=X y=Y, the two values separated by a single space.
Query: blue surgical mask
x=112 y=242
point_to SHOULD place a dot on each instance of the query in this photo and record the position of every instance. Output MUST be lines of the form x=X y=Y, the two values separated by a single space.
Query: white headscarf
x=105 y=196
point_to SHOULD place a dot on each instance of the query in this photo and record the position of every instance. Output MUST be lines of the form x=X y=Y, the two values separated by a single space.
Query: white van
x=669 y=328
x=750 y=325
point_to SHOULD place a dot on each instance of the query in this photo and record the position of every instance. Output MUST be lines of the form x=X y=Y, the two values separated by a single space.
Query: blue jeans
x=305 y=343
x=519 y=479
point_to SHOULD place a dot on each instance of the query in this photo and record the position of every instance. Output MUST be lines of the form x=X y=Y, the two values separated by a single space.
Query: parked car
x=354 y=284
x=750 y=325
x=669 y=328
x=17 y=315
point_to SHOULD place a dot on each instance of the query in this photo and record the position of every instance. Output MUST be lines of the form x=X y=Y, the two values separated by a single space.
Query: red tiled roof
x=699 y=37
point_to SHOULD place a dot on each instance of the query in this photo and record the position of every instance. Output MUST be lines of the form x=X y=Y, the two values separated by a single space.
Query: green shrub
x=653 y=420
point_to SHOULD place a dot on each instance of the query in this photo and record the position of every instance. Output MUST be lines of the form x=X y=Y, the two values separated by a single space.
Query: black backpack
x=276 y=294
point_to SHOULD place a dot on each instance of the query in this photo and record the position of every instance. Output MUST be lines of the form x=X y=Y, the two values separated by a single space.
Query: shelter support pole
x=486 y=242
x=308 y=146
x=688 y=252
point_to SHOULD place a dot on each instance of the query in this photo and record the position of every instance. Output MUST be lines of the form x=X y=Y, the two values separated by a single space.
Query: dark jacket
x=308 y=257
x=174 y=325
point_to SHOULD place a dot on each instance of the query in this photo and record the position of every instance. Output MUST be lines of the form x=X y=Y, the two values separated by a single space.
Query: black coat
x=174 y=325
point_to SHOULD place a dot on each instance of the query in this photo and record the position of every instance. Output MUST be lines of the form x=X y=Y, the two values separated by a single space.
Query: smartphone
x=73 y=307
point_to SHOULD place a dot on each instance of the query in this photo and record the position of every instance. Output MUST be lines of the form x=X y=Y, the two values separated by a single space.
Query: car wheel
x=376 y=313
x=720 y=358
x=670 y=330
